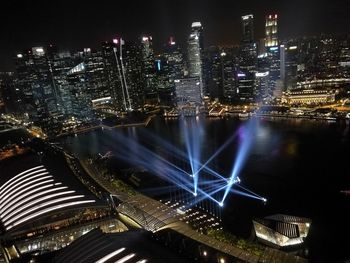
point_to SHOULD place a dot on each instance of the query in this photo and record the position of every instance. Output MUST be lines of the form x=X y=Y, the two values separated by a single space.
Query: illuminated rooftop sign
x=247 y=17
x=196 y=24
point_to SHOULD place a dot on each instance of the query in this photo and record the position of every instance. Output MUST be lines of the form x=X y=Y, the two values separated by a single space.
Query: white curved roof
x=34 y=193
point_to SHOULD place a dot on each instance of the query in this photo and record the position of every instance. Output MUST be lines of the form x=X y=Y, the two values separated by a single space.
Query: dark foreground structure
x=54 y=208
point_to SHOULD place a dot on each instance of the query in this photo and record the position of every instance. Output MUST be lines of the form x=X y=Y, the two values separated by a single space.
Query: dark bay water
x=299 y=165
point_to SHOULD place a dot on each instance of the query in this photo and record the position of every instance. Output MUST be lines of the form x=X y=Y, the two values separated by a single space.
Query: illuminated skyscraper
x=228 y=75
x=283 y=63
x=35 y=83
x=80 y=104
x=248 y=28
x=123 y=66
x=271 y=31
x=275 y=55
x=10 y=99
x=171 y=68
x=148 y=70
x=247 y=62
x=291 y=64
x=62 y=63
x=113 y=73
x=262 y=83
x=173 y=60
x=195 y=49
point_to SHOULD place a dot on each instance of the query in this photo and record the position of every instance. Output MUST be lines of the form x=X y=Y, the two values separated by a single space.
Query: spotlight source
x=221 y=204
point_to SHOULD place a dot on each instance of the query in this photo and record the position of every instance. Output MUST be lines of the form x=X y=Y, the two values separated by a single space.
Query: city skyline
x=174 y=131
x=77 y=25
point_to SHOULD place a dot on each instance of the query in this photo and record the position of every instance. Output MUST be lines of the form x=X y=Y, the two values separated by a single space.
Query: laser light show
x=186 y=168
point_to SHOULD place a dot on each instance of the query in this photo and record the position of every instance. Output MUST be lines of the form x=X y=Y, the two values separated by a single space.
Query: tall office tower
x=213 y=76
x=173 y=60
x=10 y=99
x=271 y=31
x=61 y=63
x=195 y=49
x=98 y=86
x=248 y=28
x=247 y=62
x=80 y=99
x=344 y=58
x=124 y=68
x=148 y=70
x=283 y=64
x=291 y=64
x=132 y=63
x=262 y=83
x=35 y=82
x=2 y=88
x=115 y=73
x=327 y=55
x=273 y=54
x=171 y=67
x=228 y=70
x=112 y=73
x=221 y=77
x=87 y=82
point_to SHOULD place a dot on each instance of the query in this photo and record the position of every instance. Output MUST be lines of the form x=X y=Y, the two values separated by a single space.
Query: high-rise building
x=10 y=97
x=148 y=69
x=221 y=80
x=274 y=59
x=98 y=86
x=247 y=62
x=124 y=67
x=35 y=83
x=195 y=49
x=113 y=71
x=291 y=64
x=228 y=73
x=274 y=55
x=170 y=66
x=248 y=28
x=262 y=83
x=271 y=31
x=62 y=63
x=173 y=60
x=283 y=63
x=80 y=101
x=132 y=63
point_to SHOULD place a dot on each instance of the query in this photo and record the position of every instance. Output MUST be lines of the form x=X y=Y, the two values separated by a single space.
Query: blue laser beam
x=218 y=151
x=246 y=137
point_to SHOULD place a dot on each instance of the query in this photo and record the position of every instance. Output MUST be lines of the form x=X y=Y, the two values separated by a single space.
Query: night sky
x=79 y=24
